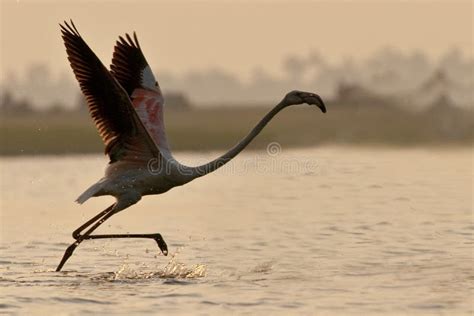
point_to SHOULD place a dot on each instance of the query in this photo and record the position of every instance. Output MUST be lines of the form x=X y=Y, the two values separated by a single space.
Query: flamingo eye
x=156 y=83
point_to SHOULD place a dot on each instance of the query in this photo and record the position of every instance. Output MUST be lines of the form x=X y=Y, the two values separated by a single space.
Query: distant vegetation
x=220 y=128
x=411 y=77
x=390 y=99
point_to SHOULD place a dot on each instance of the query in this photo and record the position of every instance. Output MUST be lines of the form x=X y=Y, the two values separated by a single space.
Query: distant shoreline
x=218 y=129
x=261 y=150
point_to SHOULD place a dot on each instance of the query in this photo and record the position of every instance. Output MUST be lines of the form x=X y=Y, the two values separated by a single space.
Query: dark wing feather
x=128 y=63
x=109 y=105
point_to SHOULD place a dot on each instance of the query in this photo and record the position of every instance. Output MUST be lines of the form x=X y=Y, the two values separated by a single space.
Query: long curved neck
x=202 y=170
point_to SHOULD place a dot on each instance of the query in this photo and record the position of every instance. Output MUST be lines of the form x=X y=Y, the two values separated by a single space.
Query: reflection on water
x=328 y=231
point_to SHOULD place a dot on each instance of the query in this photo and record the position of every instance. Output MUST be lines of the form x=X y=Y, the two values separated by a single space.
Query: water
x=329 y=231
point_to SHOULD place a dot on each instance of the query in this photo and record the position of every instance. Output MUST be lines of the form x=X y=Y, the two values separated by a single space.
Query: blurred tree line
x=387 y=77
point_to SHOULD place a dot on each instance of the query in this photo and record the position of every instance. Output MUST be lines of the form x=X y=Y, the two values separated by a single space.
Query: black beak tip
x=321 y=104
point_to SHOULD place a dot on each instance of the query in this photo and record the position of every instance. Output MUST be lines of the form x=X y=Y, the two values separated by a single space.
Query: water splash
x=173 y=270
x=264 y=267
x=176 y=269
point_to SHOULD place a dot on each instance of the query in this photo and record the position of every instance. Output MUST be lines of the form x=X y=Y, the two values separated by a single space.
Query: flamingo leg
x=156 y=237
x=98 y=220
x=77 y=233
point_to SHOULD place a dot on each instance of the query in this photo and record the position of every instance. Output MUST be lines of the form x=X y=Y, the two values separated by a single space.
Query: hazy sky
x=180 y=36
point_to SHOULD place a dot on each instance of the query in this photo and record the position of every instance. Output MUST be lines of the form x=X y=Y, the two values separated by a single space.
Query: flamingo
x=126 y=105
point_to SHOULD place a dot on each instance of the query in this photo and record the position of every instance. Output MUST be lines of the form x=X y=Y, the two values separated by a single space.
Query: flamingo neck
x=196 y=172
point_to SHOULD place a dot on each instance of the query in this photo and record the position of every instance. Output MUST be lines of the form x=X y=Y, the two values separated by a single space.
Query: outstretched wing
x=129 y=65
x=121 y=130
x=132 y=71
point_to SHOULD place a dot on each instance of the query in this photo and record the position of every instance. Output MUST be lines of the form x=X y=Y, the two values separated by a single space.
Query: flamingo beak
x=319 y=103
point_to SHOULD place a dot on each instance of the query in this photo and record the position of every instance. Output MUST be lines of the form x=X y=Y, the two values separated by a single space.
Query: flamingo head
x=299 y=97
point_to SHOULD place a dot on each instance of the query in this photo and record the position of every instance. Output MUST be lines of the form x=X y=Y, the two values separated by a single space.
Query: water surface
x=329 y=231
